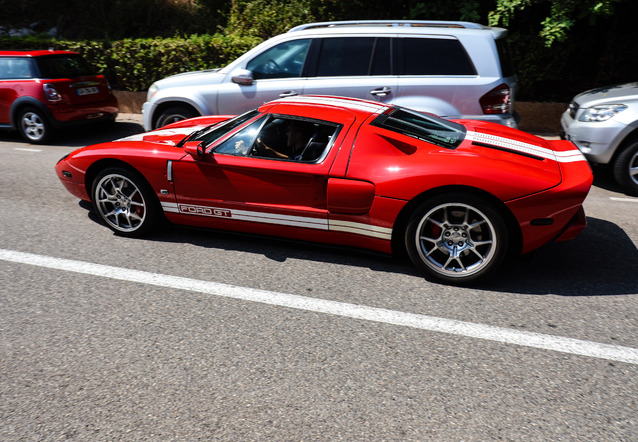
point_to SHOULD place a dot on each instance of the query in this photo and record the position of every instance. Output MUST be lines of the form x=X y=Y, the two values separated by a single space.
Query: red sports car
x=458 y=196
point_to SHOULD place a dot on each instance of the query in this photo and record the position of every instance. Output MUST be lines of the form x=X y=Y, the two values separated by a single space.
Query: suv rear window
x=434 y=56
x=64 y=66
x=507 y=67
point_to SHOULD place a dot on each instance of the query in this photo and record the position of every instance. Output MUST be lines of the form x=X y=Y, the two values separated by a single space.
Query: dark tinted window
x=354 y=56
x=64 y=66
x=434 y=56
x=16 y=68
x=424 y=127
x=507 y=67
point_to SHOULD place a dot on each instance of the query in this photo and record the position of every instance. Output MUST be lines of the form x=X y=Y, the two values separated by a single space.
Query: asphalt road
x=202 y=335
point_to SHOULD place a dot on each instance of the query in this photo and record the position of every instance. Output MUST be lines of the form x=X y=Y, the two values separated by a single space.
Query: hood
x=608 y=94
x=210 y=76
x=169 y=136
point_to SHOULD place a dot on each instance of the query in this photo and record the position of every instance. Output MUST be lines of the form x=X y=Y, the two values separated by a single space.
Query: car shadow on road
x=601 y=261
x=81 y=136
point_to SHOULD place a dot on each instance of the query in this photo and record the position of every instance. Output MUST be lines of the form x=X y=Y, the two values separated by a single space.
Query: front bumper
x=597 y=140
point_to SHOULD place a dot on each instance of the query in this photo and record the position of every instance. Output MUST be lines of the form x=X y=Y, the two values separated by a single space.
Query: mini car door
x=278 y=72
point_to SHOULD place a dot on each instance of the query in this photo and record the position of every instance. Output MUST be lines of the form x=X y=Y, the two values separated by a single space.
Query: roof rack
x=391 y=23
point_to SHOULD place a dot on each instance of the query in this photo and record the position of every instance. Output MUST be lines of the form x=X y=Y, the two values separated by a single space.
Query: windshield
x=422 y=126
x=215 y=131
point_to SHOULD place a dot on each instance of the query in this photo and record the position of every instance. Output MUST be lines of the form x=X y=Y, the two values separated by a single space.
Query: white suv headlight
x=601 y=113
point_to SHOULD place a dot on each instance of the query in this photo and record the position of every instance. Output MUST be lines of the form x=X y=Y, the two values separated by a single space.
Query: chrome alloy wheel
x=120 y=203
x=456 y=240
x=33 y=126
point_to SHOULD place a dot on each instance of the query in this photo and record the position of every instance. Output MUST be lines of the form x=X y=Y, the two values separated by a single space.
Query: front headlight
x=601 y=113
x=151 y=91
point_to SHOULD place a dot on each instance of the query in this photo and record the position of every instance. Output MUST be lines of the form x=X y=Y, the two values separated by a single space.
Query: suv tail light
x=497 y=101
x=51 y=93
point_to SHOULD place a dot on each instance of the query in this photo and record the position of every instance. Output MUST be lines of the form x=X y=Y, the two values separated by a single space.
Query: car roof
x=354 y=105
x=399 y=27
x=34 y=53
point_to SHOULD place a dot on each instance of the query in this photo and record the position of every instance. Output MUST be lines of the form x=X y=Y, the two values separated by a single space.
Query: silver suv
x=451 y=69
x=603 y=124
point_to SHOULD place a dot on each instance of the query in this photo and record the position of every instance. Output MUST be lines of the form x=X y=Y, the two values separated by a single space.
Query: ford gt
x=459 y=196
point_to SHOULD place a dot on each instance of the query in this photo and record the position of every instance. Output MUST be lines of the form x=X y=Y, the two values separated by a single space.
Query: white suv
x=451 y=69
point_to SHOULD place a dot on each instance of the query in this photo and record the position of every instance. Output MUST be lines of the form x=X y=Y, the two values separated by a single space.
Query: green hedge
x=134 y=64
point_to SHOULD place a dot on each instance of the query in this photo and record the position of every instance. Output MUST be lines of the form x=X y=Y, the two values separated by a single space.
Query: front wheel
x=125 y=202
x=456 y=238
x=626 y=168
x=174 y=114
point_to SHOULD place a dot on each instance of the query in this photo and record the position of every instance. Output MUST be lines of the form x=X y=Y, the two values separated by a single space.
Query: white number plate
x=87 y=90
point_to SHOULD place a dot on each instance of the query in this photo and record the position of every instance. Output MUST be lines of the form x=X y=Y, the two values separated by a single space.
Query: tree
x=562 y=17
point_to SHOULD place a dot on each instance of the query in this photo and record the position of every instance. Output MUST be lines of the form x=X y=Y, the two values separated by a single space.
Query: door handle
x=288 y=94
x=381 y=92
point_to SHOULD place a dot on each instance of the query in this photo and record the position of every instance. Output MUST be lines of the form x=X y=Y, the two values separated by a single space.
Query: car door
x=278 y=72
x=236 y=186
x=358 y=67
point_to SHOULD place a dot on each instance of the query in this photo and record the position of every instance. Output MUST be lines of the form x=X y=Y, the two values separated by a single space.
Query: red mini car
x=41 y=91
x=458 y=196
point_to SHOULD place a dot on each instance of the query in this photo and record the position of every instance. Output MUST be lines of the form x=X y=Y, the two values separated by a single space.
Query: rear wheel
x=174 y=114
x=125 y=202
x=33 y=126
x=626 y=168
x=456 y=238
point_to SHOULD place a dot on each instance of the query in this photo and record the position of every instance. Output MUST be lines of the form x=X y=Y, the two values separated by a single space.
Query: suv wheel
x=33 y=126
x=174 y=114
x=626 y=168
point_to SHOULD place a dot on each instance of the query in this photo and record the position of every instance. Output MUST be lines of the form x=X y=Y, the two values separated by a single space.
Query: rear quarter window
x=64 y=66
x=507 y=66
x=434 y=56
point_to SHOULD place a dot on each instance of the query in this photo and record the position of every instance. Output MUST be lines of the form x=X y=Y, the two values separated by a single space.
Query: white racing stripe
x=423 y=322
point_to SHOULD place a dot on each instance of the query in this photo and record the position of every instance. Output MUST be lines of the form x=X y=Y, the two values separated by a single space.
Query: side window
x=281 y=138
x=15 y=68
x=241 y=143
x=435 y=56
x=345 y=56
x=285 y=60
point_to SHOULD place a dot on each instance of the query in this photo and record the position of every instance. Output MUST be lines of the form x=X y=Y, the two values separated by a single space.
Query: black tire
x=125 y=202
x=626 y=168
x=33 y=126
x=457 y=238
x=174 y=114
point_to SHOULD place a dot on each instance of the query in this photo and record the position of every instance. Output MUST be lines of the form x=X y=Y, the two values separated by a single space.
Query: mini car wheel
x=626 y=168
x=33 y=126
x=125 y=202
x=456 y=238
x=174 y=114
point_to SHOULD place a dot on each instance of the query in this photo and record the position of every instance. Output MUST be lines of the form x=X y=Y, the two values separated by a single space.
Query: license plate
x=87 y=90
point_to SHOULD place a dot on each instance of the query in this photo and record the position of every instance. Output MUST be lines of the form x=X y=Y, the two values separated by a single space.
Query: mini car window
x=64 y=66
x=16 y=68
x=424 y=127
x=435 y=56
x=285 y=60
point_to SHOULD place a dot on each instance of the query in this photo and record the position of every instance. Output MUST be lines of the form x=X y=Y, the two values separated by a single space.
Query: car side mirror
x=195 y=149
x=242 y=77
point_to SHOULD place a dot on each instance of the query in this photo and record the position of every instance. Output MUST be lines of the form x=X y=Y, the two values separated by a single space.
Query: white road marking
x=625 y=200
x=423 y=322
x=26 y=149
